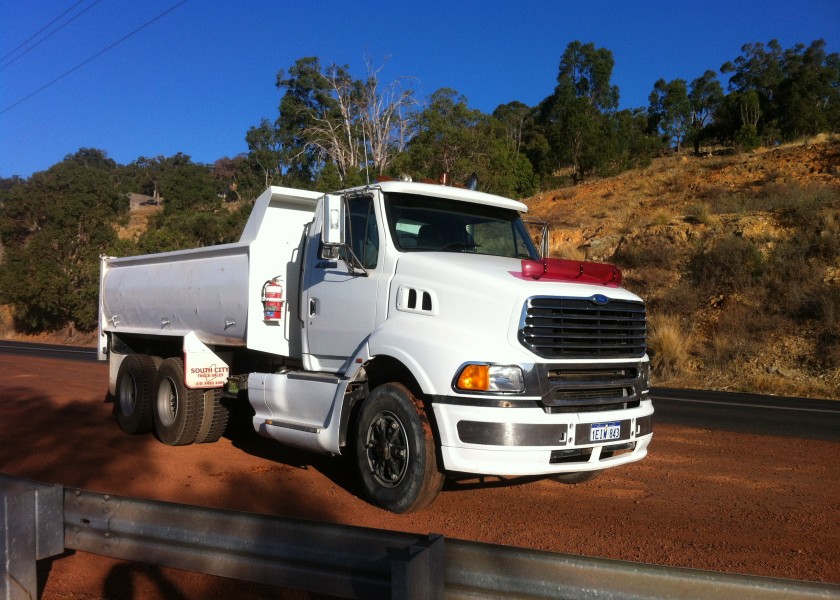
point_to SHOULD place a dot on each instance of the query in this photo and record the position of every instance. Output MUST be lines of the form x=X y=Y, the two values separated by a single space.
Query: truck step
x=292 y=425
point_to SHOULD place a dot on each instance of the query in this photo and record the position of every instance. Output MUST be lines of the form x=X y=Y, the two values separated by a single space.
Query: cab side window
x=362 y=234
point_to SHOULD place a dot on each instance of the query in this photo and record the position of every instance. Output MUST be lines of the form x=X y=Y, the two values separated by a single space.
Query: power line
x=95 y=56
x=49 y=35
x=24 y=42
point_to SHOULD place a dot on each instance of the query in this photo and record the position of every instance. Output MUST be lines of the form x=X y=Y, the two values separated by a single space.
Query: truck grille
x=580 y=328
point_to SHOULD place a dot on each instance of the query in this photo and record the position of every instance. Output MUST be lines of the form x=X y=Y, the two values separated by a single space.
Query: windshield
x=428 y=224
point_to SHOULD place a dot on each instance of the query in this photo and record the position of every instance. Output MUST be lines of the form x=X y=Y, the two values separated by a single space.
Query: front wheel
x=395 y=451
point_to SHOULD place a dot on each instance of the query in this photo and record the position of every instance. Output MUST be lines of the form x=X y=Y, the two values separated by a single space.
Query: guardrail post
x=418 y=573
x=32 y=515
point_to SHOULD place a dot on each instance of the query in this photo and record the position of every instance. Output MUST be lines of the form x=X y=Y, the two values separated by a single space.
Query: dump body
x=212 y=291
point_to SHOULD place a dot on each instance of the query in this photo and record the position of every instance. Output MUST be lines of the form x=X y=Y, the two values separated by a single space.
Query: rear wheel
x=177 y=410
x=395 y=451
x=215 y=419
x=134 y=391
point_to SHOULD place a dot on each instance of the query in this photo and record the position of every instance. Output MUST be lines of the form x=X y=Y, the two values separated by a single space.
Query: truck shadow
x=73 y=443
x=338 y=469
x=468 y=483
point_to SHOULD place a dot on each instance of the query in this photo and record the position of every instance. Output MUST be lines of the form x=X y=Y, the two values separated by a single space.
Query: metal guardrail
x=42 y=520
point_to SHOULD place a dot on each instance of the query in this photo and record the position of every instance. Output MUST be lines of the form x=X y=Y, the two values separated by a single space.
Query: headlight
x=645 y=372
x=482 y=377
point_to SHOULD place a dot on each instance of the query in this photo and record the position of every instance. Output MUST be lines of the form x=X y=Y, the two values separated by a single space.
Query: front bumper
x=515 y=440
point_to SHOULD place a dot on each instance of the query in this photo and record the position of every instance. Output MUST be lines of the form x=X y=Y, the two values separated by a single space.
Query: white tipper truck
x=412 y=326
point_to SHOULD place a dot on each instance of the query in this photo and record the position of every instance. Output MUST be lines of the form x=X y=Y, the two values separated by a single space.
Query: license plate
x=605 y=431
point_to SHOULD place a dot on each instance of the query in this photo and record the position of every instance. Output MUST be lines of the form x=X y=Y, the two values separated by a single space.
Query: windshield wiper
x=459 y=245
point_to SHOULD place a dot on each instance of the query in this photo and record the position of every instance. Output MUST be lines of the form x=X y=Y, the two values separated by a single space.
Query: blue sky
x=195 y=80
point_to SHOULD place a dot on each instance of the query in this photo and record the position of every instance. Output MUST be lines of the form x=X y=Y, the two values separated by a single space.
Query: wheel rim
x=387 y=449
x=167 y=402
x=128 y=395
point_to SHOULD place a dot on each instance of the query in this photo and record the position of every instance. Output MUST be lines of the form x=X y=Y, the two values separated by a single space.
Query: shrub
x=668 y=345
x=684 y=298
x=638 y=254
x=747 y=138
x=732 y=262
x=828 y=348
x=699 y=213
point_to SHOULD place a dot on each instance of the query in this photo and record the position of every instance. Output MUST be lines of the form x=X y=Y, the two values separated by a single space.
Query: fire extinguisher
x=272 y=299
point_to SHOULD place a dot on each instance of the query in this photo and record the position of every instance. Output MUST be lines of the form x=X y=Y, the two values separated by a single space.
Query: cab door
x=340 y=289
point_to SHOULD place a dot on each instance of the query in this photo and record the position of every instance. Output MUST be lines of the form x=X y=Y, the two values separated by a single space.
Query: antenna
x=364 y=143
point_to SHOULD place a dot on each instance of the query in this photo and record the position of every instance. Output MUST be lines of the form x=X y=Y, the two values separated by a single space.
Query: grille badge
x=599 y=299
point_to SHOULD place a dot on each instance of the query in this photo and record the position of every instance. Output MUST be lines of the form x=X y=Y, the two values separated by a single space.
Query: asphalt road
x=47 y=350
x=749 y=413
x=721 y=411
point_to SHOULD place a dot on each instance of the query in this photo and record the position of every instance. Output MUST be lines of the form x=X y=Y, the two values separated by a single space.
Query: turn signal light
x=474 y=377
x=482 y=377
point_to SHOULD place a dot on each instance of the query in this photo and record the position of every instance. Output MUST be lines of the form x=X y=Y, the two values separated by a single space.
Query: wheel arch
x=376 y=371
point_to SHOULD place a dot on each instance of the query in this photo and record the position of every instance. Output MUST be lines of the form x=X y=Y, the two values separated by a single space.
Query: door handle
x=313 y=307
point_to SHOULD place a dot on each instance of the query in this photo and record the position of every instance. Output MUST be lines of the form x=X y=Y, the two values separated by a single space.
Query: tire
x=395 y=451
x=574 y=478
x=215 y=419
x=177 y=410
x=134 y=390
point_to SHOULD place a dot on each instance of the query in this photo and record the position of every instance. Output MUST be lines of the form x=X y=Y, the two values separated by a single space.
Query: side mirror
x=540 y=233
x=333 y=219
x=545 y=242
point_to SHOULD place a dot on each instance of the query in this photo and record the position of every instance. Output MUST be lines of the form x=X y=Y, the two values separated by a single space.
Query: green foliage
x=579 y=124
x=54 y=227
x=670 y=110
x=585 y=73
x=747 y=138
x=808 y=98
x=334 y=131
x=705 y=96
x=265 y=151
x=327 y=117
x=625 y=144
x=239 y=178
x=178 y=230
x=452 y=138
x=796 y=92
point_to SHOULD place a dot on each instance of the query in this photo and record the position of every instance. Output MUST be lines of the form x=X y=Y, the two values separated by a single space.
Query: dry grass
x=669 y=345
x=699 y=214
x=568 y=250
x=7 y=328
x=742 y=250
x=138 y=222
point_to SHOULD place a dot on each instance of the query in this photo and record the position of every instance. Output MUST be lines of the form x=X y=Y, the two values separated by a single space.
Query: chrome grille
x=579 y=328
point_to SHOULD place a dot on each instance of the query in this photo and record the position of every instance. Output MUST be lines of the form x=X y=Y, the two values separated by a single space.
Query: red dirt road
x=702 y=499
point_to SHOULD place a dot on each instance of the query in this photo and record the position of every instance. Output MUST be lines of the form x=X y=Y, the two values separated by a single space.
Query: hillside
x=738 y=258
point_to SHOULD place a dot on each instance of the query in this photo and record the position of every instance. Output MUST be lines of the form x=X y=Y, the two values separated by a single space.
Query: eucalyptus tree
x=670 y=111
x=798 y=89
x=453 y=139
x=327 y=117
x=265 y=151
x=573 y=116
x=808 y=99
x=704 y=97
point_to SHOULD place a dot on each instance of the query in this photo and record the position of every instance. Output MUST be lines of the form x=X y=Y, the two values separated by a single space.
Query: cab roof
x=444 y=191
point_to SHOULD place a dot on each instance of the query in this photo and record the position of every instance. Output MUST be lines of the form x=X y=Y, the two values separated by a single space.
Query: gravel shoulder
x=703 y=499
